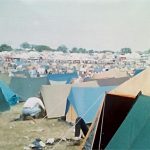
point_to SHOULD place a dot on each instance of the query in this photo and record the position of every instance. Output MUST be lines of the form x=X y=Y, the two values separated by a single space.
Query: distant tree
x=126 y=50
x=148 y=51
x=74 y=50
x=62 y=48
x=82 y=50
x=5 y=47
x=25 y=45
x=41 y=48
x=91 y=51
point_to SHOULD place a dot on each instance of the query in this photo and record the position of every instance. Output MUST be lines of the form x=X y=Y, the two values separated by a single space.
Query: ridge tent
x=27 y=87
x=4 y=105
x=117 y=104
x=86 y=84
x=54 y=98
x=84 y=102
x=56 y=82
x=140 y=82
x=137 y=71
x=112 y=73
x=9 y=95
x=112 y=81
x=63 y=77
x=5 y=78
x=109 y=117
x=134 y=131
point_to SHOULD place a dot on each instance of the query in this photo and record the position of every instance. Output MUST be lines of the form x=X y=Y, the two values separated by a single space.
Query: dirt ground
x=15 y=135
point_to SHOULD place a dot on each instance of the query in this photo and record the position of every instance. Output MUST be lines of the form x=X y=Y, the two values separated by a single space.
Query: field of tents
x=117 y=107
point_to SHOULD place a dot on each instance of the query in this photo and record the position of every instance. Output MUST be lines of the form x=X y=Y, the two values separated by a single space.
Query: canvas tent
x=111 y=81
x=84 y=102
x=134 y=131
x=117 y=104
x=56 y=82
x=9 y=95
x=5 y=78
x=4 y=105
x=140 y=82
x=67 y=77
x=86 y=84
x=27 y=87
x=112 y=73
x=54 y=98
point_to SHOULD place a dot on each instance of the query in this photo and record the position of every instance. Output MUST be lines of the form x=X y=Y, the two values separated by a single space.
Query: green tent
x=27 y=87
x=5 y=77
x=134 y=132
x=4 y=105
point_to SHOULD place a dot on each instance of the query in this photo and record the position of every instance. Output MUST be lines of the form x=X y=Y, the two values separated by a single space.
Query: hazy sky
x=92 y=24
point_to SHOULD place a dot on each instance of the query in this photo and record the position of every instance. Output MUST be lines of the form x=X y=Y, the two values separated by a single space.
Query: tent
x=86 y=84
x=112 y=73
x=63 y=77
x=84 y=102
x=137 y=71
x=56 y=82
x=4 y=105
x=117 y=104
x=5 y=78
x=54 y=98
x=134 y=131
x=111 y=81
x=9 y=95
x=140 y=82
x=27 y=87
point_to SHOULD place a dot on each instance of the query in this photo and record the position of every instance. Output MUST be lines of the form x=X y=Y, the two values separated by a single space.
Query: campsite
x=79 y=99
x=19 y=134
x=74 y=75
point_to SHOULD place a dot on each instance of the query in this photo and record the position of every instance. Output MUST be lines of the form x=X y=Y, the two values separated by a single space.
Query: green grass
x=18 y=134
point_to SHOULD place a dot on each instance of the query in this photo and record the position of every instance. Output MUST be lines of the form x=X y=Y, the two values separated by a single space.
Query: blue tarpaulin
x=63 y=77
x=9 y=95
x=86 y=100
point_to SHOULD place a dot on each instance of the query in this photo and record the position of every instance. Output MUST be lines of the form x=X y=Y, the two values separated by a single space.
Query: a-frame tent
x=4 y=105
x=27 y=87
x=116 y=105
x=134 y=131
x=84 y=102
x=112 y=73
x=54 y=98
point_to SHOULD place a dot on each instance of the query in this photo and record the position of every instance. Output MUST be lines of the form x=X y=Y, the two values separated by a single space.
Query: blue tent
x=137 y=71
x=9 y=95
x=86 y=101
x=63 y=77
x=4 y=105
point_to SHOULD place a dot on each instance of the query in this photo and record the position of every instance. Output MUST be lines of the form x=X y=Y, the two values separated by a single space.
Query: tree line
x=61 y=48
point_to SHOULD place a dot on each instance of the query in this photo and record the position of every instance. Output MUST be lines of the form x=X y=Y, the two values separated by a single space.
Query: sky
x=90 y=24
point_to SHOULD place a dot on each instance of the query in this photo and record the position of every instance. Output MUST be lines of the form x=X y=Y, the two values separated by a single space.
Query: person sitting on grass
x=33 y=107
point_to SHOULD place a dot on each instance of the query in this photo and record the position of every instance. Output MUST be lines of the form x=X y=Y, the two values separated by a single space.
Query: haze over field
x=92 y=24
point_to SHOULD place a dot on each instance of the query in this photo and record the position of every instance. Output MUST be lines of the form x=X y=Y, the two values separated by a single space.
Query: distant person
x=33 y=107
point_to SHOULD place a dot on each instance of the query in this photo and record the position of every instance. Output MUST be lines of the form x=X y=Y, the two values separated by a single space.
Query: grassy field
x=18 y=134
